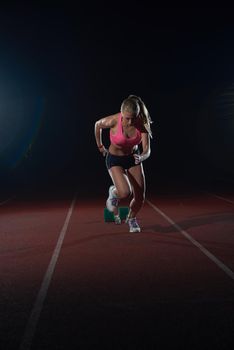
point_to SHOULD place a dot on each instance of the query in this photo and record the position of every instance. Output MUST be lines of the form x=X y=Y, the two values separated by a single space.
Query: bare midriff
x=120 y=151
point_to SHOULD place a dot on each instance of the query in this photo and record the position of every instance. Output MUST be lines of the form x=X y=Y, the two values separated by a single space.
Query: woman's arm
x=103 y=123
x=145 y=139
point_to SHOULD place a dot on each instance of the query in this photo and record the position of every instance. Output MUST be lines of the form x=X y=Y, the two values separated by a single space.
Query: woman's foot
x=117 y=219
x=133 y=225
x=112 y=201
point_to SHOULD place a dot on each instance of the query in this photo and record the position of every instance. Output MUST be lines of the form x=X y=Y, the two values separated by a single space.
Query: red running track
x=110 y=288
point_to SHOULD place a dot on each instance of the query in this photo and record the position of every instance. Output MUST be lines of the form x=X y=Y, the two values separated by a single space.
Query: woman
x=128 y=129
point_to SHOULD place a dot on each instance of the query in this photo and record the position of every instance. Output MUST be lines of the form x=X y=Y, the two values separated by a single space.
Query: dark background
x=64 y=67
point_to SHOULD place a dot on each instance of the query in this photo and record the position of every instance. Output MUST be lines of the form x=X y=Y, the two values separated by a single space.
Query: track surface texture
x=71 y=281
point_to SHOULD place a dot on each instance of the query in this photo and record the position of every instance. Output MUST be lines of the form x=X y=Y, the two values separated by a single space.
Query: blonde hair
x=135 y=105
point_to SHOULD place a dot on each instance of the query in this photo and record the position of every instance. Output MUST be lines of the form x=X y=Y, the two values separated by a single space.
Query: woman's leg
x=136 y=177
x=120 y=181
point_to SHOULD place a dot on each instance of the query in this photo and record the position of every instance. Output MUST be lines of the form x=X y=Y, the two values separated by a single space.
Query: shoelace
x=114 y=201
x=133 y=222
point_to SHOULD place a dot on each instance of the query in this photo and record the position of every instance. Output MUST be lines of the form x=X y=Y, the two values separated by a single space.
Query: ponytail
x=144 y=115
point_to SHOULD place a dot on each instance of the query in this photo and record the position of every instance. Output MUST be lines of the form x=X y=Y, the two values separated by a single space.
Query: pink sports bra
x=120 y=140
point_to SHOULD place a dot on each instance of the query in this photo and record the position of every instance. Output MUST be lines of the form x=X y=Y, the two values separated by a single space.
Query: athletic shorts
x=125 y=162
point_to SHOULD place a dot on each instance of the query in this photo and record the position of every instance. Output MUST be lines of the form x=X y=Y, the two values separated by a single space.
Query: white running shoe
x=112 y=201
x=133 y=225
x=117 y=219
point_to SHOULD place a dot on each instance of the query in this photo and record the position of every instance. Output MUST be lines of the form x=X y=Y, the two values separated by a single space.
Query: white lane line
x=219 y=263
x=219 y=197
x=36 y=311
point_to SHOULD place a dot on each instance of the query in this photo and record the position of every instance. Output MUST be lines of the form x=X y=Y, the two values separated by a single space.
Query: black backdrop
x=83 y=62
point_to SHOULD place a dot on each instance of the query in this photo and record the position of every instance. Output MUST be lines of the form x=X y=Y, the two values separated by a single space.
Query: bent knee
x=124 y=193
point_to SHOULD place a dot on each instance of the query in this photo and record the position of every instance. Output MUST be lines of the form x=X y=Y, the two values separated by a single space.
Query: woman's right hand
x=103 y=150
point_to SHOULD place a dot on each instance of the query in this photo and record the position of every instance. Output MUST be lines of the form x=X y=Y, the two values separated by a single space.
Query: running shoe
x=133 y=225
x=117 y=219
x=112 y=201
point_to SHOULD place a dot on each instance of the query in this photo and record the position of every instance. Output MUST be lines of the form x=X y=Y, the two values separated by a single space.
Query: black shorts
x=125 y=162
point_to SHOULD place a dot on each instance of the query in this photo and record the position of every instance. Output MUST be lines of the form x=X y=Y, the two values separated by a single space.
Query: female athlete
x=128 y=129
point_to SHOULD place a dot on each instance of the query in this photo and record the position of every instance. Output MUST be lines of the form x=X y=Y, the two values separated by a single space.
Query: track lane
x=120 y=290
x=208 y=220
x=28 y=232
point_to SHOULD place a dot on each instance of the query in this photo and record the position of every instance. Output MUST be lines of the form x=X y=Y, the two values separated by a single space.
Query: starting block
x=109 y=216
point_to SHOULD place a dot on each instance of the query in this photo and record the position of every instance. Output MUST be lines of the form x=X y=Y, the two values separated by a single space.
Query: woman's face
x=129 y=119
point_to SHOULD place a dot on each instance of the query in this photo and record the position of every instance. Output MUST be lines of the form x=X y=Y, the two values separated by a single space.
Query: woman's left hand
x=138 y=158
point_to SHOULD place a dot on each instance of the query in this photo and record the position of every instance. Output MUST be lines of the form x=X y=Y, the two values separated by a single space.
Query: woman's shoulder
x=116 y=115
x=108 y=121
x=114 y=118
